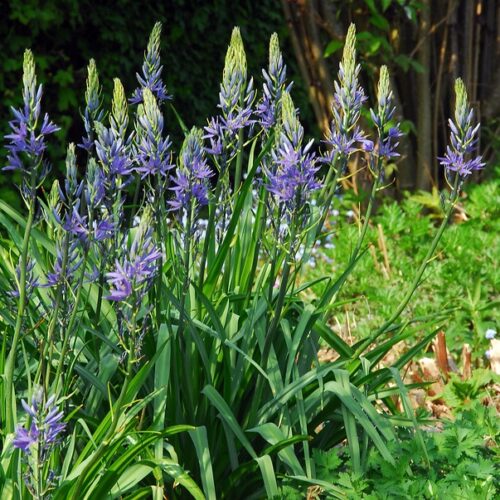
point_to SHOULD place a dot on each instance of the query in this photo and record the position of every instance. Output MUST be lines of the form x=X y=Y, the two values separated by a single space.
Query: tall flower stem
x=280 y=300
x=182 y=309
x=161 y=217
x=71 y=324
x=369 y=209
x=9 y=365
x=272 y=276
x=210 y=229
x=48 y=344
x=418 y=276
x=330 y=194
x=239 y=161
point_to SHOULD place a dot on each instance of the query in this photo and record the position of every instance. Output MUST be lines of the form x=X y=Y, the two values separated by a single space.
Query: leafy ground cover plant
x=457 y=459
x=154 y=300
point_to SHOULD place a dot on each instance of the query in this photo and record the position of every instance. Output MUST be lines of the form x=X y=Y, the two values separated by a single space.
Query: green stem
x=71 y=324
x=9 y=365
x=280 y=301
x=331 y=194
x=239 y=162
x=187 y=261
x=208 y=234
x=368 y=213
x=53 y=322
x=161 y=216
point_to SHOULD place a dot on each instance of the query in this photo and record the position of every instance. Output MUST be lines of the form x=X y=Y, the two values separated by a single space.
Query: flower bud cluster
x=348 y=99
x=151 y=71
x=460 y=154
x=27 y=144
x=192 y=177
x=236 y=97
x=269 y=108
x=292 y=173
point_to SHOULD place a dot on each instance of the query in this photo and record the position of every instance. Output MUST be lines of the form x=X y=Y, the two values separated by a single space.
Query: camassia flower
x=292 y=173
x=461 y=154
x=46 y=425
x=388 y=134
x=192 y=178
x=269 y=109
x=152 y=153
x=151 y=71
x=235 y=98
x=27 y=138
x=348 y=98
x=134 y=273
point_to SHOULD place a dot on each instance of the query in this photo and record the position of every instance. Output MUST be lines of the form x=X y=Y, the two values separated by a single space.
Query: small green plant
x=462 y=462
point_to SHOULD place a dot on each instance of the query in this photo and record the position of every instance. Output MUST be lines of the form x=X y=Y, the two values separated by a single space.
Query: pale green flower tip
x=70 y=153
x=29 y=76
x=149 y=100
x=274 y=49
x=119 y=103
x=236 y=40
x=99 y=128
x=288 y=111
x=349 y=54
x=92 y=76
x=195 y=135
x=384 y=86
x=28 y=61
x=235 y=57
x=154 y=38
x=118 y=91
x=461 y=103
x=71 y=162
x=54 y=196
x=93 y=90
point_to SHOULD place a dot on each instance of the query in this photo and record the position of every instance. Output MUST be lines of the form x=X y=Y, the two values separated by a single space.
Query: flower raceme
x=348 y=99
x=235 y=99
x=112 y=143
x=134 y=274
x=192 y=179
x=151 y=71
x=27 y=135
x=460 y=154
x=388 y=134
x=93 y=112
x=46 y=425
x=269 y=108
x=152 y=152
x=292 y=174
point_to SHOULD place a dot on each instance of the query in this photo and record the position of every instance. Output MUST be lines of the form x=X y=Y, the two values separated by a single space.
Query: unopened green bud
x=154 y=39
x=275 y=58
x=29 y=81
x=119 y=108
x=150 y=112
x=384 y=87
x=461 y=103
x=93 y=89
x=349 y=54
x=71 y=171
x=290 y=119
x=236 y=60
